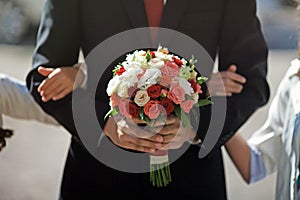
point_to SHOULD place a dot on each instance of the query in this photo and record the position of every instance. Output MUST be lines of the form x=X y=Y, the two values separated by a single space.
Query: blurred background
x=32 y=163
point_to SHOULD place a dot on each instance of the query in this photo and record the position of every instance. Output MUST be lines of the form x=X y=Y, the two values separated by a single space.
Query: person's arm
x=240 y=154
x=242 y=44
x=247 y=159
x=57 y=45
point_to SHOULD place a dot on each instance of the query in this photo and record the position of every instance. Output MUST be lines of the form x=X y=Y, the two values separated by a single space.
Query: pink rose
x=115 y=100
x=124 y=108
x=152 y=109
x=187 y=105
x=176 y=94
x=165 y=80
x=170 y=69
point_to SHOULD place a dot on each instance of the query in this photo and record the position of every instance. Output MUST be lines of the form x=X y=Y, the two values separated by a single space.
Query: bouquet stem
x=160 y=173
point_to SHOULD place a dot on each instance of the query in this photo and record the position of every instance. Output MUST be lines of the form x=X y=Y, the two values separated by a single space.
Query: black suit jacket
x=227 y=28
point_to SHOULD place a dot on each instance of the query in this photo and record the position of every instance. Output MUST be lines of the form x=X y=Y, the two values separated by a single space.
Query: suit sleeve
x=58 y=44
x=242 y=43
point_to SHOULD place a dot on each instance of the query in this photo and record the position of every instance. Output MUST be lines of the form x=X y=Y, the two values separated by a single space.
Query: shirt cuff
x=257 y=166
x=83 y=69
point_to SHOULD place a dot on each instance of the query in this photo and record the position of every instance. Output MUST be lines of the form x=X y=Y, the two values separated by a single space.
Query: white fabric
x=159 y=159
x=17 y=102
x=277 y=140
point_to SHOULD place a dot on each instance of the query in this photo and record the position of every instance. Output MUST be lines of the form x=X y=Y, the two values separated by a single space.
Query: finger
x=54 y=92
x=62 y=94
x=233 y=76
x=139 y=133
x=139 y=142
x=222 y=93
x=172 y=145
x=132 y=146
x=232 y=87
x=45 y=71
x=131 y=142
x=50 y=88
x=166 y=130
x=170 y=138
x=232 y=68
x=47 y=82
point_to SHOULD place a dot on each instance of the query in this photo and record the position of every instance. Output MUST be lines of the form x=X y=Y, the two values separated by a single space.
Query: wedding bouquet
x=151 y=85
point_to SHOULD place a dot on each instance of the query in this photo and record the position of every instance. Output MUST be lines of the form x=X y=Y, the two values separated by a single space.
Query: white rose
x=113 y=85
x=149 y=78
x=162 y=56
x=141 y=98
x=156 y=63
x=185 y=85
x=129 y=77
x=123 y=90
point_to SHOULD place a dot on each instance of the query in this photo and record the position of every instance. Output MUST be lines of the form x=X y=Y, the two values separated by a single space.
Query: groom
x=227 y=28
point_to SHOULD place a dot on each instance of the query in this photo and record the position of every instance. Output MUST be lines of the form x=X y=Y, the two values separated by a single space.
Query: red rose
x=177 y=61
x=152 y=109
x=152 y=54
x=134 y=110
x=167 y=105
x=154 y=91
x=120 y=71
x=129 y=109
x=196 y=87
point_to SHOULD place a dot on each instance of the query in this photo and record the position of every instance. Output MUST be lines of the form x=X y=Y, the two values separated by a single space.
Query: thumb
x=45 y=71
x=232 y=68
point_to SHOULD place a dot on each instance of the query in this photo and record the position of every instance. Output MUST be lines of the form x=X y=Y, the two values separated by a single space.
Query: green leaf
x=185 y=118
x=116 y=69
x=112 y=112
x=144 y=117
x=148 y=56
x=192 y=61
x=188 y=97
x=204 y=102
x=201 y=80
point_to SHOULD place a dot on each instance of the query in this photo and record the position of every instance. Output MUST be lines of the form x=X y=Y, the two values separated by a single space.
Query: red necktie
x=154 y=10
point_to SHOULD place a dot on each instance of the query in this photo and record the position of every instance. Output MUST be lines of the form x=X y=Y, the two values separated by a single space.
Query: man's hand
x=173 y=133
x=137 y=135
x=225 y=83
x=129 y=135
x=59 y=82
